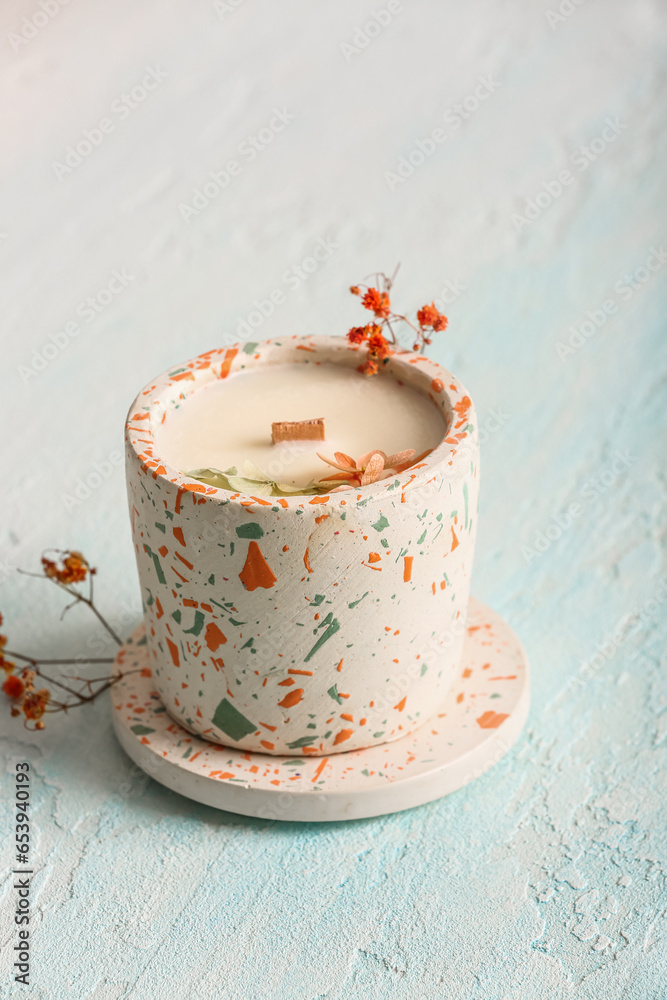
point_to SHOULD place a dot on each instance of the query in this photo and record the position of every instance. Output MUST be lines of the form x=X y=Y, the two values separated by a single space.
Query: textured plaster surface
x=546 y=877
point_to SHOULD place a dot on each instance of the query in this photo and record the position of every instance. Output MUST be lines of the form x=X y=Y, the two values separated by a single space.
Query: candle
x=228 y=422
x=303 y=623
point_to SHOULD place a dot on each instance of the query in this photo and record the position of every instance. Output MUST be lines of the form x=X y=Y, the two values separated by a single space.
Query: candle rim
x=417 y=371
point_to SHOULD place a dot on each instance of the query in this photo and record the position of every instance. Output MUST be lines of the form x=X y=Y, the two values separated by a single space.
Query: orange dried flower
x=377 y=302
x=357 y=335
x=370 y=468
x=35 y=702
x=6 y=665
x=428 y=315
x=377 y=344
x=74 y=568
x=13 y=687
x=355 y=289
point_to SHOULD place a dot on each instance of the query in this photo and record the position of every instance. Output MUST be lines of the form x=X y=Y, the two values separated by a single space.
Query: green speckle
x=317 y=600
x=333 y=693
x=250 y=347
x=381 y=524
x=358 y=601
x=231 y=722
x=331 y=626
x=252 y=530
x=176 y=615
x=305 y=741
x=233 y=621
x=140 y=730
x=421 y=537
x=161 y=527
x=156 y=562
x=197 y=626
x=211 y=579
x=384 y=543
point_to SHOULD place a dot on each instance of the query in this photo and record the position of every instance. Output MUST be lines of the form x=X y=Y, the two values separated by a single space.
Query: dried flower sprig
x=377 y=300
x=68 y=570
x=370 y=468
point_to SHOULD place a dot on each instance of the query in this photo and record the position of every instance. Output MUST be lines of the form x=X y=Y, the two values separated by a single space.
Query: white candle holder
x=304 y=625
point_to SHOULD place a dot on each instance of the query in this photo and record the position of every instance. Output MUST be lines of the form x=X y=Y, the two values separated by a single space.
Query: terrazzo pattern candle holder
x=304 y=625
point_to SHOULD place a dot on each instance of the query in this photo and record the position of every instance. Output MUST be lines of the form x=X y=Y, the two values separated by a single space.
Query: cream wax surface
x=228 y=422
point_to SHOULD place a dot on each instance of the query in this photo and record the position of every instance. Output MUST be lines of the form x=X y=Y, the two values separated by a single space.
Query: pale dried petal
x=333 y=464
x=365 y=459
x=374 y=468
x=400 y=457
x=339 y=489
x=344 y=459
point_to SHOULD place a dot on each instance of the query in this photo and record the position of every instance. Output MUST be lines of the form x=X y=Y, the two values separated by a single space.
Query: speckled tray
x=476 y=725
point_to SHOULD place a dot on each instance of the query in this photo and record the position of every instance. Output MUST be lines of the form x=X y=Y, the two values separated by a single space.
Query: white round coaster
x=476 y=725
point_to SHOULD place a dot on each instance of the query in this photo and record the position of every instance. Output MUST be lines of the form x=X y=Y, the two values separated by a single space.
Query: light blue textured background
x=511 y=888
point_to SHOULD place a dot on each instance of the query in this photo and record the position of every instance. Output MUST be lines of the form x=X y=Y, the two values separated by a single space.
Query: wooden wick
x=298 y=430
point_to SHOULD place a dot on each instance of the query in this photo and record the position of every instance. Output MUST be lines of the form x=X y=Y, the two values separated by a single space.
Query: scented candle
x=303 y=624
x=227 y=423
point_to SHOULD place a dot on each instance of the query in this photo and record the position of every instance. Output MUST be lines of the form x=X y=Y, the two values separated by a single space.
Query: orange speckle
x=340 y=666
x=285 y=548
x=320 y=767
x=178 y=535
x=455 y=541
x=401 y=705
x=256 y=571
x=491 y=720
x=374 y=557
x=267 y=745
x=291 y=698
x=286 y=683
x=343 y=735
x=467 y=672
x=347 y=717
x=173 y=649
x=407 y=568
x=214 y=637
x=306 y=562
x=437 y=385
x=227 y=363
x=459 y=697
